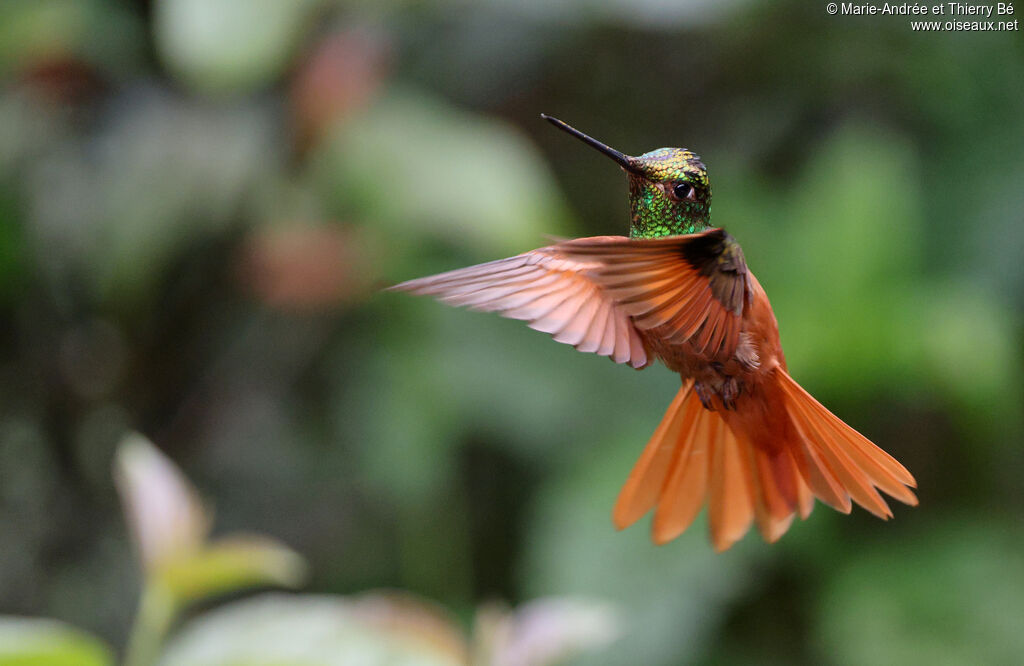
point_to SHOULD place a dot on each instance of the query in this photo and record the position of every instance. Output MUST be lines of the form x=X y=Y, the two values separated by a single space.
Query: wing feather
x=552 y=292
x=683 y=286
x=598 y=294
x=591 y=341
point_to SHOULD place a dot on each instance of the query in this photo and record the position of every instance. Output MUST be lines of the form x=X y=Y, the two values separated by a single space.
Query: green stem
x=156 y=613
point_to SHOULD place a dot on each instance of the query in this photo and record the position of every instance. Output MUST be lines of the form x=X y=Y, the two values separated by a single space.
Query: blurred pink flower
x=543 y=632
x=306 y=268
x=338 y=77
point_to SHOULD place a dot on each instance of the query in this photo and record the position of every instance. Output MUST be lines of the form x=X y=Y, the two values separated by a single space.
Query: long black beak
x=625 y=161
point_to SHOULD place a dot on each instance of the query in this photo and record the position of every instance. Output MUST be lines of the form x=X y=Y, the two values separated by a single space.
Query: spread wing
x=691 y=289
x=552 y=292
x=598 y=293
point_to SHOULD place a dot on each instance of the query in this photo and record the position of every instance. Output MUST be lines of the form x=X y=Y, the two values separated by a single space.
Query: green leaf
x=420 y=169
x=44 y=642
x=231 y=564
x=222 y=45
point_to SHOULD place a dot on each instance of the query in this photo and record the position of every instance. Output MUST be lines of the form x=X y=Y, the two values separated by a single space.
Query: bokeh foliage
x=199 y=200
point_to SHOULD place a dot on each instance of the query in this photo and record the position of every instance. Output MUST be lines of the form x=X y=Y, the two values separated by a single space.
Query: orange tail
x=766 y=461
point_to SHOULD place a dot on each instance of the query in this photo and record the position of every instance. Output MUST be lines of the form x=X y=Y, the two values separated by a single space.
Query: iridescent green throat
x=653 y=215
x=654 y=211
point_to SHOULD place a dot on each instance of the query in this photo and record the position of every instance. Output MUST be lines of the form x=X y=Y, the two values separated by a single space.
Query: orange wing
x=598 y=293
x=551 y=291
x=693 y=288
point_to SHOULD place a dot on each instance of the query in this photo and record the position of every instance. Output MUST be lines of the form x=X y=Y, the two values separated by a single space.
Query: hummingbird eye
x=683 y=191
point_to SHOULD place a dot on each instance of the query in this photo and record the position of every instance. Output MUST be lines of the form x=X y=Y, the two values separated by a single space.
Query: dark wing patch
x=717 y=256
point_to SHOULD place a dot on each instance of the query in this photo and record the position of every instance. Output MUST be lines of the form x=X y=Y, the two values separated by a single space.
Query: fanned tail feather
x=752 y=470
x=845 y=463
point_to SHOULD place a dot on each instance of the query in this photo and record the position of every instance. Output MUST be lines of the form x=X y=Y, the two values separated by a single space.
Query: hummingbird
x=740 y=436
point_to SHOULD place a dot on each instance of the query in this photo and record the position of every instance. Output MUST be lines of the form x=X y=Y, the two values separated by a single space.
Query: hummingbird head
x=669 y=192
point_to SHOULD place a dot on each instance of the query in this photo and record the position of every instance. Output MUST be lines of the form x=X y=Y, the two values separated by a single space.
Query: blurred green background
x=200 y=200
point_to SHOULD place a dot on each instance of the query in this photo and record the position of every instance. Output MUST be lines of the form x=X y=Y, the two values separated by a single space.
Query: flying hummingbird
x=741 y=435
